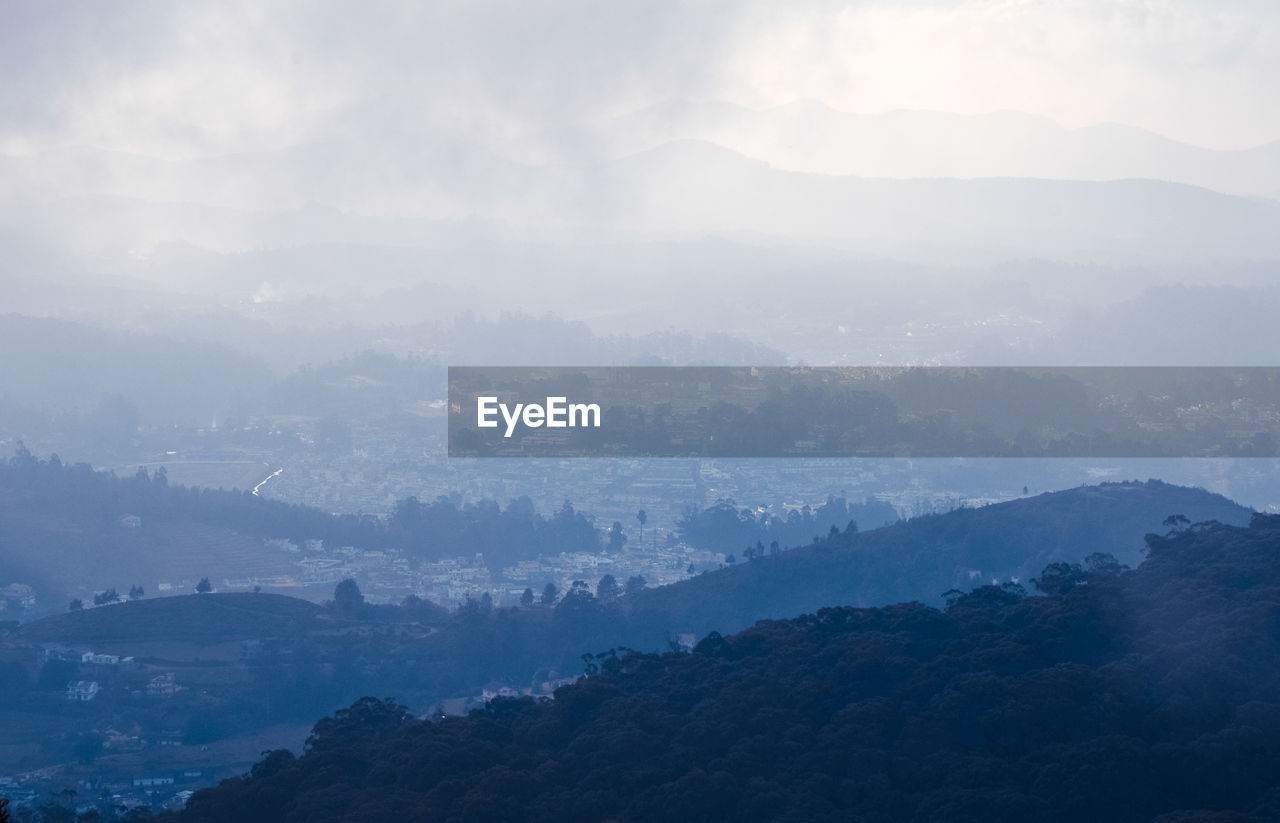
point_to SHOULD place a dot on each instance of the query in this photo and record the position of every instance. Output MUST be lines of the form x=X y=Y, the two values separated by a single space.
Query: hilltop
x=192 y=618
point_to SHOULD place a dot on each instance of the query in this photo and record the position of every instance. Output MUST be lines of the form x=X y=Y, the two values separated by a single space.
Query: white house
x=82 y=691
x=162 y=685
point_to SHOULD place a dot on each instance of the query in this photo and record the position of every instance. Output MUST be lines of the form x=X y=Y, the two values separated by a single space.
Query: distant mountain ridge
x=689 y=186
x=687 y=181
x=808 y=136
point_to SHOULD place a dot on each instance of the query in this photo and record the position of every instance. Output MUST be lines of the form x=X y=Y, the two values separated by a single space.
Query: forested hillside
x=925 y=557
x=1144 y=695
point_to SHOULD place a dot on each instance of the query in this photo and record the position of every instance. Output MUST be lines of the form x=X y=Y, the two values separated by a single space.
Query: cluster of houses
x=162 y=685
x=82 y=691
x=146 y=792
x=75 y=654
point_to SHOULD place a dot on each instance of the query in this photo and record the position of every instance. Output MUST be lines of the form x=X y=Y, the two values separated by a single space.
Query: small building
x=131 y=521
x=82 y=691
x=20 y=595
x=57 y=651
x=139 y=782
x=163 y=685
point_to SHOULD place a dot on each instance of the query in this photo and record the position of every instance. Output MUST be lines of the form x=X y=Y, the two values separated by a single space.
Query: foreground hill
x=1147 y=695
x=922 y=558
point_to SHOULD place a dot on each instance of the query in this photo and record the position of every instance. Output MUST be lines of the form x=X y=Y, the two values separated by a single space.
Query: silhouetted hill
x=920 y=559
x=1147 y=695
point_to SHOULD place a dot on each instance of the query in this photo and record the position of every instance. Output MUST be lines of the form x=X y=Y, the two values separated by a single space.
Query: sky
x=208 y=78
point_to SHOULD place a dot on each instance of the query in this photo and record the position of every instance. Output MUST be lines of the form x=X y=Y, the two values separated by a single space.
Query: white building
x=82 y=691
x=163 y=685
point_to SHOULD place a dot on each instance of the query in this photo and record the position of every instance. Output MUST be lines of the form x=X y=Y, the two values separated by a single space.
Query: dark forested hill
x=923 y=558
x=1147 y=695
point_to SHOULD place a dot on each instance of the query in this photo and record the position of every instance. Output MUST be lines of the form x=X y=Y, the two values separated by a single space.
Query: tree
x=1058 y=578
x=204 y=586
x=76 y=605
x=635 y=585
x=136 y=592
x=347 y=598
x=577 y=601
x=549 y=594
x=1177 y=522
x=1102 y=564
x=616 y=537
x=642 y=517
x=607 y=588
x=109 y=596
x=526 y=598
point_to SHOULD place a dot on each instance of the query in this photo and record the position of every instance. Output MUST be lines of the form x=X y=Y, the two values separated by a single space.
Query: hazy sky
x=188 y=79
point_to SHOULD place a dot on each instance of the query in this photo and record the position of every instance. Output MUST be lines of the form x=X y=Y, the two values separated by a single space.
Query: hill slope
x=1128 y=696
x=210 y=617
x=920 y=559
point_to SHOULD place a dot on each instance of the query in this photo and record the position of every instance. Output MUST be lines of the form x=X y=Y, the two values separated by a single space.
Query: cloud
x=202 y=78
x=1202 y=72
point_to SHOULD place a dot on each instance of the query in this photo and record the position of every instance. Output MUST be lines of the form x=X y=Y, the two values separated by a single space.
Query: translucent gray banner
x=864 y=412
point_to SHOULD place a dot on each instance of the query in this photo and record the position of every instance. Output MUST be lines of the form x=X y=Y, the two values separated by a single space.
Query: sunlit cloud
x=183 y=80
